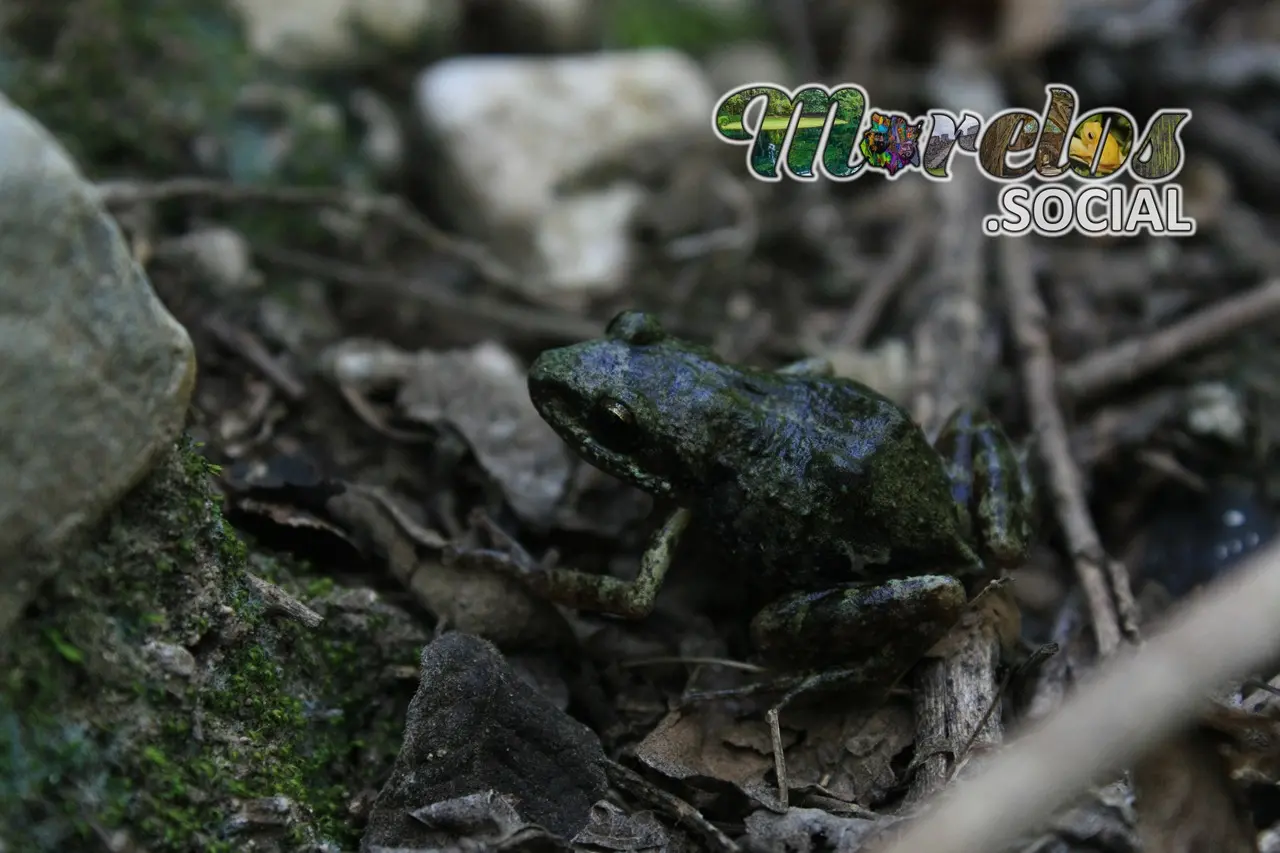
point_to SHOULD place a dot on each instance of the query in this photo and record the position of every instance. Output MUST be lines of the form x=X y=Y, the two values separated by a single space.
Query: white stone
x=220 y=255
x=513 y=132
x=736 y=65
x=316 y=33
x=1215 y=409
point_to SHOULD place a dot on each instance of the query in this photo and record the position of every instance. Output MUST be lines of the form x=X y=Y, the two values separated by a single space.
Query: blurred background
x=387 y=208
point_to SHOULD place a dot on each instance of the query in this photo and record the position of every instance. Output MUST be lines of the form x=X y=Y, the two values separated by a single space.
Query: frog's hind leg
x=862 y=638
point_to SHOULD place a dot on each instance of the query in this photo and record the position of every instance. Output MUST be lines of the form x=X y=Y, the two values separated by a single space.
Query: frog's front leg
x=633 y=599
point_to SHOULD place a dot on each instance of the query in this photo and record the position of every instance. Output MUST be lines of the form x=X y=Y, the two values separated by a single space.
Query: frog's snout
x=544 y=384
x=558 y=401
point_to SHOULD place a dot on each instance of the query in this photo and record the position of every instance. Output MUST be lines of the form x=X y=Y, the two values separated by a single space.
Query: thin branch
x=1143 y=696
x=251 y=348
x=955 y=692
x=885 y=284
x=516 y=320
x=670 y=805
x=1028 y=317
x=390 y=208
x=1137 y=357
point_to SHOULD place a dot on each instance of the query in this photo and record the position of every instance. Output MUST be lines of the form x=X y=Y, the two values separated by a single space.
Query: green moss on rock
x=150 y=690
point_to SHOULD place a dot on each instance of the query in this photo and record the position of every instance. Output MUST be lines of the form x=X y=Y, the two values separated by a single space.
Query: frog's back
x=824 y=482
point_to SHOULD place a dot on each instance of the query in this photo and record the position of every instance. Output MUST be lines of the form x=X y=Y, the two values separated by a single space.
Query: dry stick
x=515 y=320
x=673 y=807
x=1133 y=358
x=249 y=347
x=391 y=208
x=875 y=296
x=1140 y=697
x=954 y=694
x=1028 y=317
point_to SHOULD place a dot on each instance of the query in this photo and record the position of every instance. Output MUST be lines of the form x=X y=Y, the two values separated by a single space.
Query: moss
x=126 y=82
x=693 y=27
x=97 y=734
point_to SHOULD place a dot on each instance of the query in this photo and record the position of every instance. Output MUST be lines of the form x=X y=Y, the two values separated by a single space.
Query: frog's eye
x=613 y=425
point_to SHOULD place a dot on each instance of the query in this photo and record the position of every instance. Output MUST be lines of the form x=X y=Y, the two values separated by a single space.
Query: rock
x=218 y=255
x=736 y=65
x=95 y=374
x=172 y=658
x=1214 y=409
x=513 y=134
x=475 y=726
x=315 y=34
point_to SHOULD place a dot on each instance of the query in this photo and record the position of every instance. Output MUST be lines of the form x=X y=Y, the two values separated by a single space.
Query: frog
x=857 y=538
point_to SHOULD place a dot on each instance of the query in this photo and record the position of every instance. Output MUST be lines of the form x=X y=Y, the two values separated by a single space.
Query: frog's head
x=627 y=402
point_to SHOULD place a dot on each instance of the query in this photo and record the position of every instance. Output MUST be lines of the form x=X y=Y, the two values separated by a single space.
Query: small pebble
x=1214 y=409
x=172 y=658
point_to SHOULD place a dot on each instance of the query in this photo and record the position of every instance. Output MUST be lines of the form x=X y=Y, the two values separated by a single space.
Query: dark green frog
x=854 y=533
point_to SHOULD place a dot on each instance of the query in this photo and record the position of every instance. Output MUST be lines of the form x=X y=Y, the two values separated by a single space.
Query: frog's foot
x=632 y=599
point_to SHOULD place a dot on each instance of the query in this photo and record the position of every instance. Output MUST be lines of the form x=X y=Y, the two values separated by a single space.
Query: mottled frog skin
x=824 y=493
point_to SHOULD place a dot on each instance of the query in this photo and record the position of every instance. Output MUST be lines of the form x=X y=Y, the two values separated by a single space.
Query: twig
x=741 y=237
x=1141 y=697
x=674 y=807
x=515 y=319
x=251 y=349
x=1054 y=678
x=954 y=358
x=279 y=601
x=1138 y=356
x=691 y=661
x=1040 y=655
x=1028 y=317
x=1125 y=424
x=391 y=208
x=875 y=296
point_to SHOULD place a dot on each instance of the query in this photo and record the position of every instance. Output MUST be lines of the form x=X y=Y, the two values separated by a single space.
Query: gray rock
x=475 y=726
x=515 y=133
x=95 y=374
x=732 y=66
x=317 y=34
